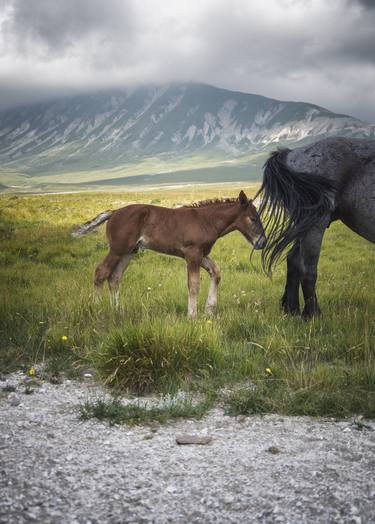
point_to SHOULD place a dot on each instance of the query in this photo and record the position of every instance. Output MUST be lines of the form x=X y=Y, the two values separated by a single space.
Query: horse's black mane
x=291 y=203
x=212 y=201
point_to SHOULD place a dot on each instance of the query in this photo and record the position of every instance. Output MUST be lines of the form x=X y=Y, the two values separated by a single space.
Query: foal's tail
x=292 y=203
x=85 y=228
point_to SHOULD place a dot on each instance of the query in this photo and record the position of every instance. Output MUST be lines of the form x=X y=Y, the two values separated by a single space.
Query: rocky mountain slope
x=114 y=128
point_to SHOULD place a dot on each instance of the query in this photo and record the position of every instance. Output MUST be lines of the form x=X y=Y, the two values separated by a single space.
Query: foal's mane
x=212 y=202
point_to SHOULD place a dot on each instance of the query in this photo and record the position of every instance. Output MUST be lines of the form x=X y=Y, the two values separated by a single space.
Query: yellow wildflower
x=64 y=338
x=31 y=372
x=269 y=371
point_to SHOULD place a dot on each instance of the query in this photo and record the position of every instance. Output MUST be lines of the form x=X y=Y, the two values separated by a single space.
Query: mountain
x=156 y=127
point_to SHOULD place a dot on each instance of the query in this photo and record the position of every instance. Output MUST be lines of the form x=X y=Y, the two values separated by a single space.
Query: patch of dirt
x=56 y=468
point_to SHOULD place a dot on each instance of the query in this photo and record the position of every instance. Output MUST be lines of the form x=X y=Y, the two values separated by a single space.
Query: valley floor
x=56 y=468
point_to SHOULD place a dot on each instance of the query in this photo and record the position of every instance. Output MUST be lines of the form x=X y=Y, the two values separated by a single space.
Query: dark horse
x=303 y=191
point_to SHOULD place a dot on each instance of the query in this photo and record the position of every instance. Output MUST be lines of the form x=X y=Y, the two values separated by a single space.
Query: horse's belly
x=357 y=204
x=160 y=246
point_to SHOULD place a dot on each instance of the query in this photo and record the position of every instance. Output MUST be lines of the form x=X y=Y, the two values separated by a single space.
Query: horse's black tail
x=91 y=224
x=292 y=202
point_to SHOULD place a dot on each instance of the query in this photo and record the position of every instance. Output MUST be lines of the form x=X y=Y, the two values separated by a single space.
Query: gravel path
x=55 y=468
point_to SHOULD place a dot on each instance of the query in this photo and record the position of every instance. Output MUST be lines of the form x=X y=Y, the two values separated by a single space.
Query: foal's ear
x=243 y=198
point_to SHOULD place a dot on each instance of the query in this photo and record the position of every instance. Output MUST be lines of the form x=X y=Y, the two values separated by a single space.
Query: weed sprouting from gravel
x=114 y=411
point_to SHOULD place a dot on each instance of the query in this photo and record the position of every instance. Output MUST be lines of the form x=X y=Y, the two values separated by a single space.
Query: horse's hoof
x=308 y=314
x=290 y=307
x=290 y=310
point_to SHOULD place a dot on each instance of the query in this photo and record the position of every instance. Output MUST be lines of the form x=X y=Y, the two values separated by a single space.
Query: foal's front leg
x=193 y=267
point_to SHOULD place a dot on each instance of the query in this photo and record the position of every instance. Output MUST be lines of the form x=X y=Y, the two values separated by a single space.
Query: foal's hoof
x=210 y=311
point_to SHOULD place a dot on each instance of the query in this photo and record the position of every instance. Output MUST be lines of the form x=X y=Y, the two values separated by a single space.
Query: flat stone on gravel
x=193 y=439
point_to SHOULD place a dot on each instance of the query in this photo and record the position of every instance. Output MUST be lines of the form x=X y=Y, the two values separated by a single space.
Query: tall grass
x=158 y=354
x=48 y=312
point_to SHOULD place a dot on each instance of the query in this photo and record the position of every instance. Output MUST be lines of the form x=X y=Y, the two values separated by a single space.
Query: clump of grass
x=279 y=397
x=114 y=412
x=158 y=355
x=257 y=399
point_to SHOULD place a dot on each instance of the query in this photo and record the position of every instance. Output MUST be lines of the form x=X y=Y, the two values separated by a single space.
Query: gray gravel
x=55 y=468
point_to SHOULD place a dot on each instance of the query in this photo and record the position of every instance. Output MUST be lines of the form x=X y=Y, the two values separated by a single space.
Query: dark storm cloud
x=368 y=4
x=312 y=50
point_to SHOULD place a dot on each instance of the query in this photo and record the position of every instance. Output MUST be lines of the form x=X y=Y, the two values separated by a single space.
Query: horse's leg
x=115 y=277
x=209 y=265
x=310 y=247
x=290 y=299
x=105 y=268
x=193 y=267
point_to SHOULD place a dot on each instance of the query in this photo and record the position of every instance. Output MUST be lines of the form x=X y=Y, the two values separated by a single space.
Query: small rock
x=14 y=399
x=8 y=388
x=274 y=450
x=28 y=390
x=193 y=439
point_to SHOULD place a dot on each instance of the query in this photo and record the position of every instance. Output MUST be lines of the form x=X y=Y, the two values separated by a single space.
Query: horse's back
x=330 y=157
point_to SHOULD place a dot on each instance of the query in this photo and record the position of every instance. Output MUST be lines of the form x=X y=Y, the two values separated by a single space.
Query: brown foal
x=188 y=232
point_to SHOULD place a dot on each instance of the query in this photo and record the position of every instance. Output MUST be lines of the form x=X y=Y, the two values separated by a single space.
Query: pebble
x=14 y=399
x=273 y=450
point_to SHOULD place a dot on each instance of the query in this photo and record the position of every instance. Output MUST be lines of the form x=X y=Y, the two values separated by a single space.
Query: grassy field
x=140 y=174
x=250 y=357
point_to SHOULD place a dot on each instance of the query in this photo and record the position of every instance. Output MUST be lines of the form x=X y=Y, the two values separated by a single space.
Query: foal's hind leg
x=115 y=277
x=209 y=265
x=290 y=299
x=105 y=268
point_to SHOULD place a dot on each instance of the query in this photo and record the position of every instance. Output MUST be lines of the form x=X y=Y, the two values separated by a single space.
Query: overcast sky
x=319 y=51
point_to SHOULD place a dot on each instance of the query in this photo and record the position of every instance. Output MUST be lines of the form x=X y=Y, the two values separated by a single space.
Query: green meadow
x=250 y=357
